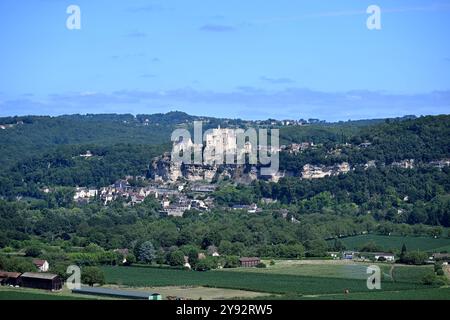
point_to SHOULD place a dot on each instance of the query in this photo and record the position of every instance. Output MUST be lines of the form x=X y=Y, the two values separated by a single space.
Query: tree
x=147 y=253
x=176 y=258
x=370 y=247
x=415 y=257
x=231 y=262
x=316 y=248
x=130 y=259
x=33 y=252
x=403 y=253
x=206 y=264
x=92 y=275
x=338 y=245
x=193 y=257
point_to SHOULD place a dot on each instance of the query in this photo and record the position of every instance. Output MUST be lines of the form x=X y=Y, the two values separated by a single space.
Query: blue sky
x=248 y=59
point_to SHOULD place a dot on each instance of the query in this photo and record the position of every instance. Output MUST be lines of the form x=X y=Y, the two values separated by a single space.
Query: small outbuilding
x=249 y=262
x=41 y=280
x=9 y=278
x=115 y=293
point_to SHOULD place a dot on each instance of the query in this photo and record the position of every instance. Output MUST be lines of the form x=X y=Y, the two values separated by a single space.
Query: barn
x=9 y=278
x=46 y=281
x=249 y=262
x=114 y=293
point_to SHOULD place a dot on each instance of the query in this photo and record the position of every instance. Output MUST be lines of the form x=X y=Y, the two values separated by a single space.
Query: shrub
x=33 y=252
x=92 y=275
x=429 y=279
x=440 y=272
x=261 y=265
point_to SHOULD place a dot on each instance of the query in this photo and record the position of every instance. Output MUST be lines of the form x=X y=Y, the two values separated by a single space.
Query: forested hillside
x=43 y=159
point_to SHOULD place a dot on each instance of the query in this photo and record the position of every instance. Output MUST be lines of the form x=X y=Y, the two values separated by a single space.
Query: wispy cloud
x=245 y=102
x=351 y=12
x=217 y=28
x=276 y=80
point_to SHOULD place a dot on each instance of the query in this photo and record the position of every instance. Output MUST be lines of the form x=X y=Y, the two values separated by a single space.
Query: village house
x=253 y=208
x=349 y=255
x=88 y=154
x=384 y=256
x=405 y=164
x=441 y=257
x=318 y=172
x=42 y=265
x=441 y=164
x=124 y=253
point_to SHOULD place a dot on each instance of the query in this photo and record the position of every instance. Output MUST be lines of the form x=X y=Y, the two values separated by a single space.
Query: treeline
x=40 y=135
x=397 y=195
x=65 y=167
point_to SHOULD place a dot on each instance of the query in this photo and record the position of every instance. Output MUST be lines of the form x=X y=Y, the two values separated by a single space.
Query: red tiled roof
x=4 y=274
x=246 y=259
x=39 y=262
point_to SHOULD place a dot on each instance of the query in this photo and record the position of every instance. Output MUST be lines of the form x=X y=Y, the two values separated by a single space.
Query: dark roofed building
x=441 y=256
x=249 y=262
x=46 y=281
x=139 y=295
x=9 y=278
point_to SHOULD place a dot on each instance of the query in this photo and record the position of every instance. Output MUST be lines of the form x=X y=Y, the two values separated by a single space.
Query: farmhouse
x=46 y=281
x=384 y=256
x=249 y=262
x=441 y=257
x=42 y=265
x=349 y=255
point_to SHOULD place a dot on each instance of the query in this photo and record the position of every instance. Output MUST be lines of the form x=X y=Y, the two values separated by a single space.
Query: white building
x=42 y=265
x=385 y=256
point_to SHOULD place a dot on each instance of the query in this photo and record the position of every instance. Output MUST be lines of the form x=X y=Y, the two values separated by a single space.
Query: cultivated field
x=7 y=293
x=286 y=279
x=195 y=293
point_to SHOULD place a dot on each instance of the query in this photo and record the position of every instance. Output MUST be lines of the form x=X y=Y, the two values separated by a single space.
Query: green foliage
x=16 y=264
x=261 y=265
x=147 y=253
x=176 y=258
x=231 y=262
x=33 y=252
x=206 y=264
x=415 y=257
x=92 y=275
x=370 y=247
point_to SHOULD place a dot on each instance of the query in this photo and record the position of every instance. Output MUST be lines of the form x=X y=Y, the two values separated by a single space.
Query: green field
x=23 y=294
x=341 y=269
x=418 y=294
x=395 y=242
x=262 y=280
